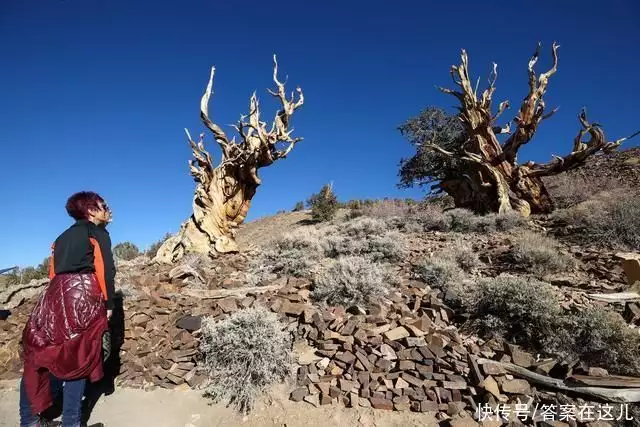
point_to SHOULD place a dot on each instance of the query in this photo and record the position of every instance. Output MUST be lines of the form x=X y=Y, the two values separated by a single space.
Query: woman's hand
x=109 y=313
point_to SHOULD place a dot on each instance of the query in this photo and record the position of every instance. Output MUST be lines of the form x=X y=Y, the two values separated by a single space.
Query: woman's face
x=102 y=215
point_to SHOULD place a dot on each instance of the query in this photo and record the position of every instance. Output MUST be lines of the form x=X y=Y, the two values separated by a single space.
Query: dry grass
x=244 y=355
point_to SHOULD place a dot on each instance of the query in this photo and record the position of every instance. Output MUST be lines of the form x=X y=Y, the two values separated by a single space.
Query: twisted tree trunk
x=223 y=194
x=490 y=179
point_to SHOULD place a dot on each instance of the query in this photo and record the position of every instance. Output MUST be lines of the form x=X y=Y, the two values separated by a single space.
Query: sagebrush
x=520 y=310
x=599 y=337
x=244 y=355
x=350 y=281
x=527 y=312
x=610 y=219
x=539 y=254
x=294 y=254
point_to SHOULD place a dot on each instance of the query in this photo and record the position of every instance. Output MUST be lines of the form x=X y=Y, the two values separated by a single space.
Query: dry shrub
x=443 y=273
x=526 y=311
x=610 y=219
x=539 y=254
x=363 y=236
x=363 y=227
x=388 y=208
x=433 y=218
x=570 y=189
x=294 y=254
x=521 y=310
x=463 y=254
x=599 y=337
x=300 y=252
x=446 y=272
x=352 y=281
x=465 y=221
x=244 y=355
x=440 y=272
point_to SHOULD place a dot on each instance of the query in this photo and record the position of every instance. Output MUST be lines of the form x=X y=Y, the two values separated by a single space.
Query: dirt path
x=186 y=408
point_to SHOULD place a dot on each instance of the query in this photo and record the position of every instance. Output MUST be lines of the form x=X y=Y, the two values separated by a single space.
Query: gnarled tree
x=470 y=163
x=223 y=193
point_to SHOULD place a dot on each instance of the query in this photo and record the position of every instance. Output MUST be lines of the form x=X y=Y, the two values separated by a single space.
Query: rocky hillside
x=404 y=308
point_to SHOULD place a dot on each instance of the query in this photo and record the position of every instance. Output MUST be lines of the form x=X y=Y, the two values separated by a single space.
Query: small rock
x=364 y=403
x=465 y=421
x=387 y=352
x=493 y=369
x=416 y=342
x=516 y=386
x=522 y=358
x=190 y=323
x=491 y=423
x=491 y=386
x=401 y=403
x=323 y=363
x=397 y=333
x=598 y=372
x=308 y=357
x=401 y=384
x=313 y=399
x=325 y=399
x=428 y=406
x=379 y=403
x=454 y=408
x=298 y=394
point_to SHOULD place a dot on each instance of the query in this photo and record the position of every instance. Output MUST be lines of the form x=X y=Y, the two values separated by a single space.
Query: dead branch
x=628 y=395
x=224 y=293
x=581 y=149
x=532 y=110
x=616 y=297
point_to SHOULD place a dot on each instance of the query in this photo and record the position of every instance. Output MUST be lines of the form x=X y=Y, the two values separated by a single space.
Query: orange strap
x=52 y=268
x=98 y=263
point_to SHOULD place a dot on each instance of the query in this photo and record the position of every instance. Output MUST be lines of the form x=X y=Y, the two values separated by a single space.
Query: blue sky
x=94 y=94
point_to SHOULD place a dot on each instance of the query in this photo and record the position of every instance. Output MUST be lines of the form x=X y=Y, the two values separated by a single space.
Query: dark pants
x=72 y=392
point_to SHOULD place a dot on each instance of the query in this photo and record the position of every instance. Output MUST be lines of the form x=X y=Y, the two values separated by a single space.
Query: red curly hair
x=79 y=204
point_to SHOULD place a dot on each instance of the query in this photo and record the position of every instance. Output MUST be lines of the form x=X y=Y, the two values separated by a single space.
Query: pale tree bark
x=223 y=193
x=491 y=179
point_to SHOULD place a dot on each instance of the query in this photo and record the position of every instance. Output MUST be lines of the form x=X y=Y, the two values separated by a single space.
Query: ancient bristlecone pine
x=490 y=179
x=223 y=193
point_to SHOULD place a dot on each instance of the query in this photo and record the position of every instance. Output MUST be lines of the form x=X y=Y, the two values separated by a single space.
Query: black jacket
x=86 y=248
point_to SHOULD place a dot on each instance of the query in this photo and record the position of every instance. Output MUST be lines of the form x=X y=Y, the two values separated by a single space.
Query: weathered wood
x=487 y=176
x=224 y=293
x=616 y=297
x=616 y=381
x=629 y=395
x=224 y=192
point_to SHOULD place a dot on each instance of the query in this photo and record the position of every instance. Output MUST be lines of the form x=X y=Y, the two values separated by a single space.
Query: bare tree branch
x=218 y=133
x=581 y=149
x=531 y=111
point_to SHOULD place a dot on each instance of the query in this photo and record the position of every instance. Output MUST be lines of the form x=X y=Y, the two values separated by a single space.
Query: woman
x=62 y=340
